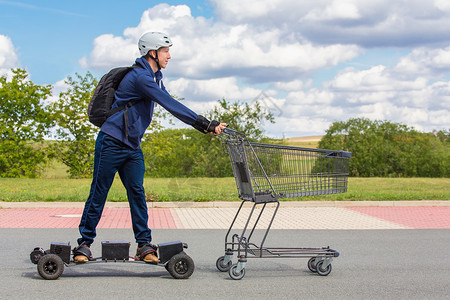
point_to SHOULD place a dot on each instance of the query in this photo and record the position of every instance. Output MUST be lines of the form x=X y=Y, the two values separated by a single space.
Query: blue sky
x=51 y=36
x=315 y=61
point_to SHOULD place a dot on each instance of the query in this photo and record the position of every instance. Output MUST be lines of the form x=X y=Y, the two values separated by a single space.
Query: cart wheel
x=50 y=266
x=321 y=271
x=312 y=264
x=221 y=266
x=180 y=266
x=234 y=274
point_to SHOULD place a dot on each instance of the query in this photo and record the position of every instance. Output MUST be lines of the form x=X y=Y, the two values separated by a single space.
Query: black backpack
x=99 y=108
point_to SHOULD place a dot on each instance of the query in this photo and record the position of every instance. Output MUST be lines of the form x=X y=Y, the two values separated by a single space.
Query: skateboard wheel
x=180 y=266
x=50 y=266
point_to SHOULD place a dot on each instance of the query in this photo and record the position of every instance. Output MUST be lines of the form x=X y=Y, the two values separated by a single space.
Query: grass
x=218 y=189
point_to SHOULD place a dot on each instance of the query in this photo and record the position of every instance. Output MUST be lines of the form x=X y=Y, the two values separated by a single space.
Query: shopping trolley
x=265 y=173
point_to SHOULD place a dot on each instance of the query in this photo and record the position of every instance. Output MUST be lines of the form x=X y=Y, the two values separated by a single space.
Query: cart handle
x=233 y=132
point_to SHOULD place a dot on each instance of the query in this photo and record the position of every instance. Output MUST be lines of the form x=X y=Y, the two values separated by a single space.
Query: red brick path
x=412 y=217
x=70 y=218
x=428 y=217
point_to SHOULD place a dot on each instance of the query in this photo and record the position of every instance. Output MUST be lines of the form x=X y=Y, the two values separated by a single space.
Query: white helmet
x=153 y=41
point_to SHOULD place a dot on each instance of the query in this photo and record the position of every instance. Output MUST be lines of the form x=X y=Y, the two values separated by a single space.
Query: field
x=56 y=186
x=219 y=189
x=305 y=141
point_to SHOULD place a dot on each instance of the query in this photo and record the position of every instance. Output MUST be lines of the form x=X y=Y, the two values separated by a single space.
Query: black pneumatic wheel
x=180 y=266
x=50 y=266
x=221 y=266
x=323 y=271
x=234 y=274
x=36 y=255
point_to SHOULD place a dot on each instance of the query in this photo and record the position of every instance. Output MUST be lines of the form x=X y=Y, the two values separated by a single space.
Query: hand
x=219 y=128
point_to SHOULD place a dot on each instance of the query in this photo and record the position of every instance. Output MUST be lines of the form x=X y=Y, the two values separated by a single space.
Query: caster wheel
x=234 y=274
x=312 y=264
x=323 y=271
x=50 y=266
x=221 y=266
x=180 y=266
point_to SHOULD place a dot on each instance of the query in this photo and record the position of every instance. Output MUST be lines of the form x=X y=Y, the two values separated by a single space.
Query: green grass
x=218 y=189
x=55 y=169
x=382 y=189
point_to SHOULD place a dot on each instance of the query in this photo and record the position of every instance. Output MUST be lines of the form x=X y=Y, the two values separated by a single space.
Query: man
x=117 y=147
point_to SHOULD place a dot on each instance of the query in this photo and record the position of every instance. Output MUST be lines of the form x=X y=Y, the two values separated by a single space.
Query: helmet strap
x=156 y=59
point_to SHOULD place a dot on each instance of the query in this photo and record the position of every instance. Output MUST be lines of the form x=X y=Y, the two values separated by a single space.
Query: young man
x=117 y=147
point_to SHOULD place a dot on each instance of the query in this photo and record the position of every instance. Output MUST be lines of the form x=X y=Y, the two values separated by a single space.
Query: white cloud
x=443 y=5
x=163 y=18
x=300 y=126
x=377 y=78
x=57 y=88
x=378 y=92
x=211 y=90
x=272 y=11
x=8 y=56
x=374 y=93
x=110 y=51
x=205 y=49
x=294 y=85
x=335 y=10
x=425 y=62
x=369 y=23
x=275 y=47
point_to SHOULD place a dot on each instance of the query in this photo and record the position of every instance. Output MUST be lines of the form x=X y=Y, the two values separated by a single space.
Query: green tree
x=74 y=131
x=383 y=148
x=186 y=152
x=243 y=117
x=24 y=122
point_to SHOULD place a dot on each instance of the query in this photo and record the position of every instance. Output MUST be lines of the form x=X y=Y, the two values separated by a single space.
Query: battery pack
x=62 y=250
x=167 y=250
x=115 y=250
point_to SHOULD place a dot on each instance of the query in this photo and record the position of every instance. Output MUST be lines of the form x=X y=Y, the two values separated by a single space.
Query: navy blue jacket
x=142 y=84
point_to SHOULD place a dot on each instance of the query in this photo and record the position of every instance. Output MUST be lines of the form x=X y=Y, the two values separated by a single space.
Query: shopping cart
x=265 y=173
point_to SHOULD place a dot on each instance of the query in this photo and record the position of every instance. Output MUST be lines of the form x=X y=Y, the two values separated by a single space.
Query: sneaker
x=148 y=254
x=81 y=254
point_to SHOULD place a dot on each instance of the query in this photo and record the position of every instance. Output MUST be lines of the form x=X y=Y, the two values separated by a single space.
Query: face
x=163 y=57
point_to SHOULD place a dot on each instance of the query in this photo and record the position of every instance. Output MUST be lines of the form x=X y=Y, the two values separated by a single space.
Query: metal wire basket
x=267 y=172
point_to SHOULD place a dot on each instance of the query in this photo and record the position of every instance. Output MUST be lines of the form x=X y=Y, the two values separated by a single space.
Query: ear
x=152 y=53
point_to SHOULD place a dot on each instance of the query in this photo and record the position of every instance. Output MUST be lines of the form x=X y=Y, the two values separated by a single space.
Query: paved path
x=218 y=215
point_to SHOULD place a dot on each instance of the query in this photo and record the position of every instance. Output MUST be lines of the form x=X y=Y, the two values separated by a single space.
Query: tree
x=186 y=152
x=242 y=117
x=383 y=148
x=75 y=133
x=73 y=127
x=24 y=118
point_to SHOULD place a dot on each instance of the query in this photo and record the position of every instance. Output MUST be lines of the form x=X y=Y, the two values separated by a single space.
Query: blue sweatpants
x=112 y=156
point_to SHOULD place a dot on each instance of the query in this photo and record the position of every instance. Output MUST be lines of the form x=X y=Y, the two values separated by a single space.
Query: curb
x=232 y=204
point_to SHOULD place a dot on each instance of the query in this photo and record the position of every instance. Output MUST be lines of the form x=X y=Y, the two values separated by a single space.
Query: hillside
x=304 y=141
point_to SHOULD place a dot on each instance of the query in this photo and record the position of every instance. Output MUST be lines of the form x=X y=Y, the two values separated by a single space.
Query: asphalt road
x=374 y=264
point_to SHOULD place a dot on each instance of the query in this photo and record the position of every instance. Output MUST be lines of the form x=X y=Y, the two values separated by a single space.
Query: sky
x=309 y=62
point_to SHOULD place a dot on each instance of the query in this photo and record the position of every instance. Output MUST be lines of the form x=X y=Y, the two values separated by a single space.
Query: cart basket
x=267 y=172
